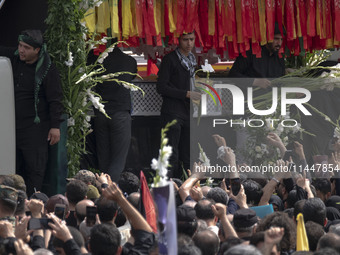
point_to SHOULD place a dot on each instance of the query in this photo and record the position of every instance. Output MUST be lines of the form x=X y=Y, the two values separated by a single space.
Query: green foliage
x=68 y=45
x=63 y=26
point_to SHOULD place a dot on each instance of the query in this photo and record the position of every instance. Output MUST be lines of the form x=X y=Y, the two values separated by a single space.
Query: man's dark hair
x=298 y=207
x=253 y=191
x=330 y=240
x=76 y=191
x=186 y=246
x=230 y=242
x=207 y=241
x=104 y=239
x=120 y=218
x=77 y=237
x=187 y=228
x=128 y=182
x=288 y=183
x=189 y=250
x=314 y=210
x=314 y=233
x=218 y=195
x=21 y=203
x=203 y=209
x=326 y=251
x=323 y=185
x=106 y=209
x=292 y=198
x=258 y=177
x=303 y=253
x=280 y=219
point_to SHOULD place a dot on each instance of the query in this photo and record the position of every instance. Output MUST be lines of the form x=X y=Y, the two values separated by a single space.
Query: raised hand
x=219 y=140
x=220 y=210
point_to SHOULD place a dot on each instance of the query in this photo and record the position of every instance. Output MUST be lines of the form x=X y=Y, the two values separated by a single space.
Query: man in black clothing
x=175 y=84
x=38 y=106
x=113 y=135
x=270 y=65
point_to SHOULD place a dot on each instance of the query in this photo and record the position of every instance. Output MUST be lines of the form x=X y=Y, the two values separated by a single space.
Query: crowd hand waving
x=6 y=229
x=196 y=193
x=272 y=237
x=301 y=181
x=274 y=140
x=337 y=146
x=96 y=223
x=175 y=185
x=112 y=192
x=21 y=228
x=219 y=140
x=53 y=136
x=224 y=187
x=198 y=171
x=220 y=210
x=240 y=198
x=59 y=228
x=262 y=83
x=36 y=207
x=229 y=156
x=298 y=149
x=335 y=159
x=283 y=174
x=304 y=183
x=101 y=178
x=21 y=248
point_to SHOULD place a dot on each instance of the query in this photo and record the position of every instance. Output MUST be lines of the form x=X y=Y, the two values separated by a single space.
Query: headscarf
x=31 y=37
x=332 y=213
x=276 y=200
x=333 y=201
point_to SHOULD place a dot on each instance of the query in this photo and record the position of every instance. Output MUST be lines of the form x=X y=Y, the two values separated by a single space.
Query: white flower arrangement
x=69 y=62
x=70 y=122
x=256 y=151
x=203 y=157
x=80 y=96
x=337 y=132
x=161 y=164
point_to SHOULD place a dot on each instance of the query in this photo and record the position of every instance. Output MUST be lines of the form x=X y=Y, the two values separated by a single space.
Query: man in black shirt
x=113 y=136
x=175 y=84
x=38 y=106
x=270 y=65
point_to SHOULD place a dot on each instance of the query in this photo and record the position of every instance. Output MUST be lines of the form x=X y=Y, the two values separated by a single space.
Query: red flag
x=336 y=20
x=270 y=13
x=147 y=204
x=151 y=68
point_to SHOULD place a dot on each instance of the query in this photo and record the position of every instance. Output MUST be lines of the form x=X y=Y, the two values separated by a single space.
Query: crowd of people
x=101 y=214
x=211 y=219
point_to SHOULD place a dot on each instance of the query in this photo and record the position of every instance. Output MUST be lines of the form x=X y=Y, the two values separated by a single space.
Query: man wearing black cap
x=38 y=106
x=245 y=221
